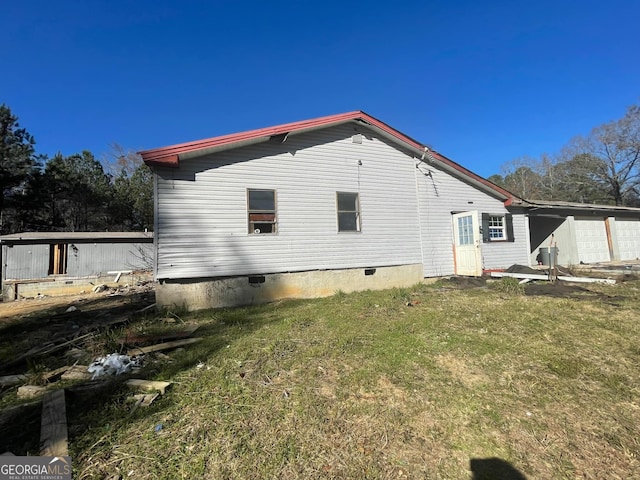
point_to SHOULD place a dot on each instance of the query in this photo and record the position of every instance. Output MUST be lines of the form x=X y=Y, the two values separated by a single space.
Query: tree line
x=75 y=193
x=602 y=167
x=80 y=193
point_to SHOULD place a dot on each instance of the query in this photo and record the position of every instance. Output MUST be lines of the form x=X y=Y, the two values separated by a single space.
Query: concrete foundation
x=56 y=286
x=198 y=294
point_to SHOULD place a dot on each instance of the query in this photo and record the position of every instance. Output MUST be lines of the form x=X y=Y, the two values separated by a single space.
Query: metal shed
x=30 y=257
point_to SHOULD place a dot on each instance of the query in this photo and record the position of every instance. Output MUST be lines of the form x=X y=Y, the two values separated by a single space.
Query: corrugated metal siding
x=96 y=258
x=202 y=212
x=28 y=262
x=440 y=194
x=25 y=261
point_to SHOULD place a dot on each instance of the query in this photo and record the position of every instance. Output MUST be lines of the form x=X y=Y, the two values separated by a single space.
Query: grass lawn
x=428 y=382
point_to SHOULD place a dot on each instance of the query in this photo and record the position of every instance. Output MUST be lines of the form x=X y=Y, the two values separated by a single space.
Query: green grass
x=366 y=386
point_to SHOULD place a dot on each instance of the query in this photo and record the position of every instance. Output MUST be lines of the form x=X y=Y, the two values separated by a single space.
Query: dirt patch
x=460 y=370
x=557 y=289
x=569 y=290
x=36 y=328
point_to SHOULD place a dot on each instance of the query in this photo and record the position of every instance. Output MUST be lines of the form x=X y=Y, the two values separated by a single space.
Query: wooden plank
x=53 y=375
x=162 y=346
x=30 y=391
x=53 y=425
x=162 y=337
x=148 y=385
x=77 y=372
x=146 y=399
x=9 y=380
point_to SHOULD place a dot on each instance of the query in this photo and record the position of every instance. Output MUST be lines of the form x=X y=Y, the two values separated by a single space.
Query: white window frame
x=256 y=216
x=343 y=212
x=497 y=228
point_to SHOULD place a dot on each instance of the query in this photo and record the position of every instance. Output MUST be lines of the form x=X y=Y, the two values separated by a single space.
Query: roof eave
x=172 y=155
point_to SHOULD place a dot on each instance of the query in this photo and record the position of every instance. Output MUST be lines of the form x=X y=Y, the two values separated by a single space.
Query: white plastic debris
x=114 y=364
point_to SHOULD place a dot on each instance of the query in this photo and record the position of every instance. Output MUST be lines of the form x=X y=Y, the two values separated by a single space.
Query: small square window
x=261 y=209
x=348 y=212
x=497 y=228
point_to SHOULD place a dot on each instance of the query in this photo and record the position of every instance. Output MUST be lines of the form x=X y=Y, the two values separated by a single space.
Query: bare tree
x=602 y=167
x=612 y=152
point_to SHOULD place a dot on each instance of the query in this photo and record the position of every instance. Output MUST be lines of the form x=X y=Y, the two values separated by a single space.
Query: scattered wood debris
x=53 y=426
x=162 y=346
x=55 y=375
x=9 y=380
x=163 y=337
x=31 y=391
x=77 y=372
x=148 y=385
x=143 y=400
x=44 y=350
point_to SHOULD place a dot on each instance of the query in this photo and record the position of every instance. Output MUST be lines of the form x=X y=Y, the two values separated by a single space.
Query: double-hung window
x=261 y=209
x=497 y=228
x=348 y=212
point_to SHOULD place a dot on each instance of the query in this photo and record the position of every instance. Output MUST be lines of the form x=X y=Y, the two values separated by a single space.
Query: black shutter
x=485 y=228
x=509 y=219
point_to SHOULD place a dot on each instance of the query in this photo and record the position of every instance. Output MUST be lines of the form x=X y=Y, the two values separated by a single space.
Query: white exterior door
x=466 y=234
x=591 y=238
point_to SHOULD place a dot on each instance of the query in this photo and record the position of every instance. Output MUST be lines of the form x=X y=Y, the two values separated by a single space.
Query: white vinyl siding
x=440 y=194
x=202 y=209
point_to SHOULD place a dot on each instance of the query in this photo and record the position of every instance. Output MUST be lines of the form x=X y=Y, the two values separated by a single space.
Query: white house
x=305 y=209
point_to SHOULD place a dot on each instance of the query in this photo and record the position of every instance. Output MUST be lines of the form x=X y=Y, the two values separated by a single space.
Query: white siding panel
x=440 y=194
x=628 y=238
x=591 y=240
x=202 y=211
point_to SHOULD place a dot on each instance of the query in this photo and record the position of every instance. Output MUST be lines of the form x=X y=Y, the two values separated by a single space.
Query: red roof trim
x=158 y=155
x=170 y=156
x=166 y=156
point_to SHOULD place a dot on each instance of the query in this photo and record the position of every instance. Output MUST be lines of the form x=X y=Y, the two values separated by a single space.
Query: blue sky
x=481 y=82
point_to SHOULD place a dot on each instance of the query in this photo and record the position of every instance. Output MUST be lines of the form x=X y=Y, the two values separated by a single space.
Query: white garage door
x=591 y=237
x=628 y=237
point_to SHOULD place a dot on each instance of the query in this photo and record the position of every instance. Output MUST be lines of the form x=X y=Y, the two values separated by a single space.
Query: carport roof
x=533 y=205
x=33 y=238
